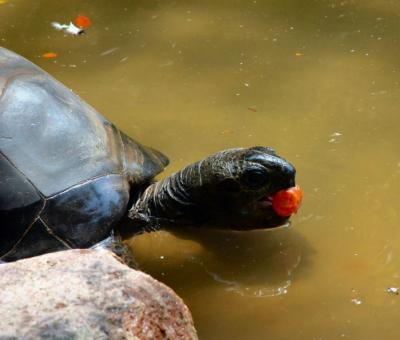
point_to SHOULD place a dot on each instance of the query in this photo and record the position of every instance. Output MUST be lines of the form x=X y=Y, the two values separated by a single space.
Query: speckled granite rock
x=87 y=294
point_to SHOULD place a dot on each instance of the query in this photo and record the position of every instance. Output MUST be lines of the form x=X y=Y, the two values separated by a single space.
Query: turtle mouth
x=269 y=211
x=258 y=214
x=265 y=202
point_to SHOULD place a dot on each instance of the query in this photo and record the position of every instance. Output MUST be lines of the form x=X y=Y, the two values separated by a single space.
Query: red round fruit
x=286 y=202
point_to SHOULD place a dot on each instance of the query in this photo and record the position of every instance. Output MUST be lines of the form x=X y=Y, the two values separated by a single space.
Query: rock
x=87 y=294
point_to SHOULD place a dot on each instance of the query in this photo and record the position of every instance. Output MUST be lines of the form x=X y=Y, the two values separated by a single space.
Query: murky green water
x=316 y=79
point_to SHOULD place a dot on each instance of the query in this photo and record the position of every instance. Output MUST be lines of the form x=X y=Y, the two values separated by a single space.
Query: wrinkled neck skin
x=177 y=199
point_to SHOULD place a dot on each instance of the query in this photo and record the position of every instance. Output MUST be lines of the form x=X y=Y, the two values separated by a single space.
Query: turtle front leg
x=114 y=243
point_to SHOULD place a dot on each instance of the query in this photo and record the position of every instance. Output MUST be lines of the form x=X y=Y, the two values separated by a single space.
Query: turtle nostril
x=284 y=177
x=290 y=172
x=289 y=169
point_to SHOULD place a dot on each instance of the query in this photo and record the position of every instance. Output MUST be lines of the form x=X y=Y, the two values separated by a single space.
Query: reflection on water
x=252 y=264
x=318 y=80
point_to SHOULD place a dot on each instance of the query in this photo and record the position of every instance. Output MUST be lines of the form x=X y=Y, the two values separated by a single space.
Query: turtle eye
x=255 y=177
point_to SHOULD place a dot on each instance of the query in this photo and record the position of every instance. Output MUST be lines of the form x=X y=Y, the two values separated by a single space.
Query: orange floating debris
x=286 y=202
x=50 y=55
x=82 y=21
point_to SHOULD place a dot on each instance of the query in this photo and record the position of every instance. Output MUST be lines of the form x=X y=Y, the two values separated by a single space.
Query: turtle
x=68 y=176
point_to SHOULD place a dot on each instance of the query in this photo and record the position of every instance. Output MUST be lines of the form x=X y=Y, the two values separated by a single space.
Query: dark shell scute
x=53 y=137
x=36 y=242
x=20 y=204
x=85 y=214
x=9 y=68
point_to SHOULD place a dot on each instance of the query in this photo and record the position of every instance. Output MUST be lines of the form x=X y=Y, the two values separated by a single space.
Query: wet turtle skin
x=66 y=172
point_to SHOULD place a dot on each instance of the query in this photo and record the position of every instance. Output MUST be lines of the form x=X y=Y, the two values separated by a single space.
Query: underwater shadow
x=253 y=264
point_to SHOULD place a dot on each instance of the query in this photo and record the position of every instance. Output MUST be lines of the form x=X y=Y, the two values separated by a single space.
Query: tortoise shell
x=66 y=172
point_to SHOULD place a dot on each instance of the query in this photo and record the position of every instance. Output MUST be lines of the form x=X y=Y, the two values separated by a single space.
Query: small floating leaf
x=71 y=28
x=50 y=55
x=82 y=21
x=393 y=290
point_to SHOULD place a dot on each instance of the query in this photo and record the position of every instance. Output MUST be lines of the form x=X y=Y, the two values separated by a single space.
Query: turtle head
x=233 y=189
x=238 y=187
